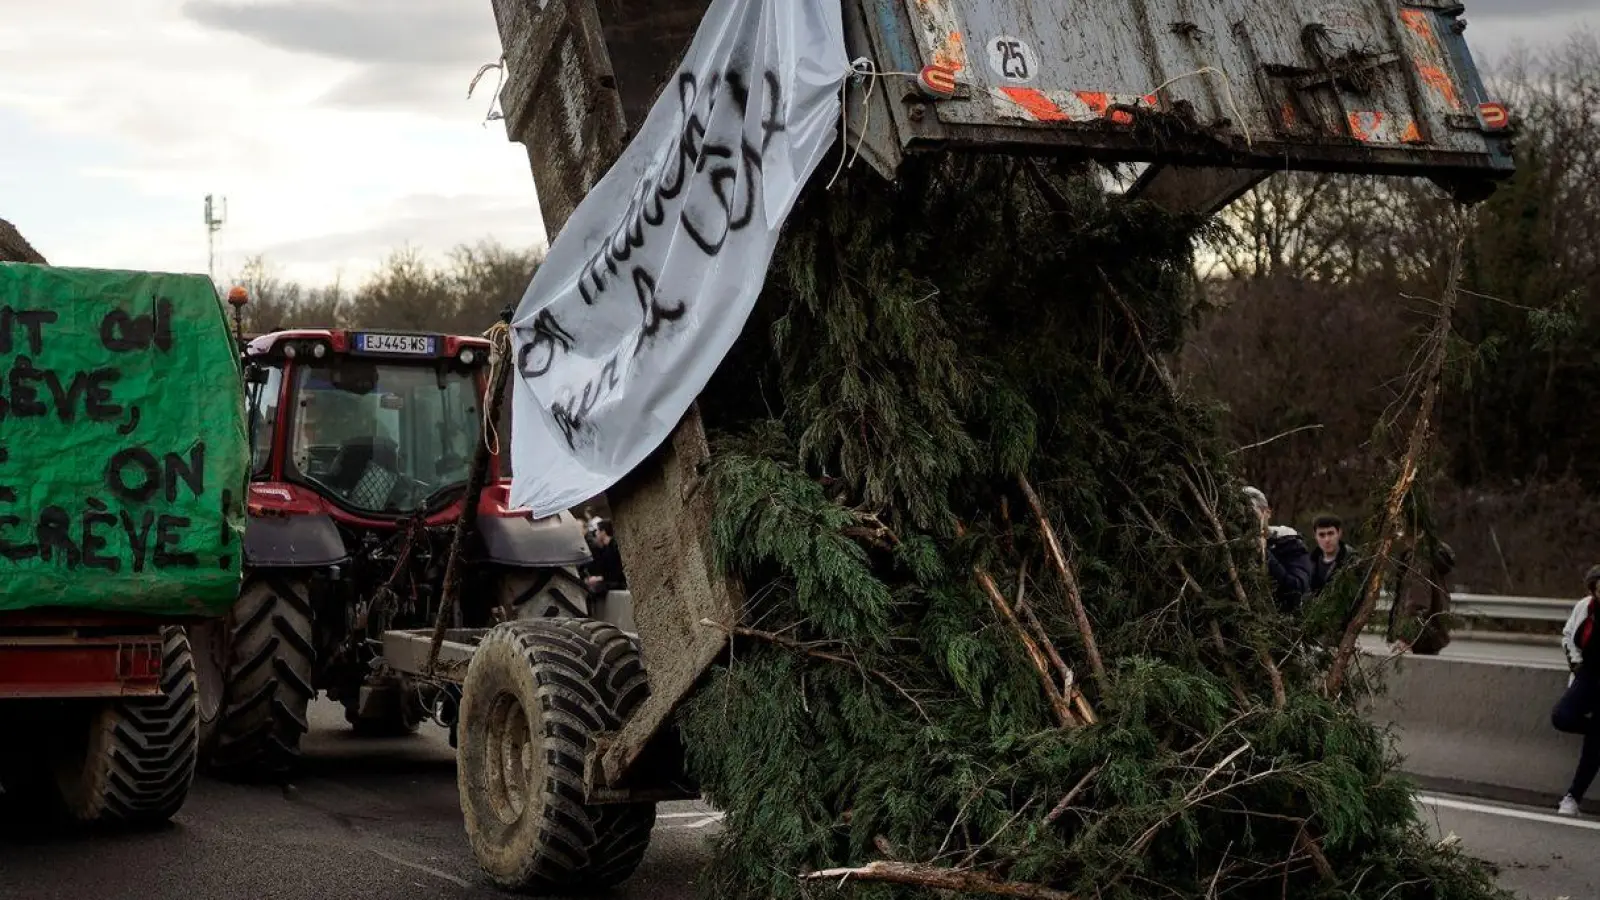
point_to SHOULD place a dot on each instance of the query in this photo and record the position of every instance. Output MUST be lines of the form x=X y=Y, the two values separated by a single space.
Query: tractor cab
x=375 y=424
x=363 y=448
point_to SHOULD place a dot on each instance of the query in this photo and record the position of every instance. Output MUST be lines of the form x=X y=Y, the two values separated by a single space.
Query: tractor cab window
x=261 y=406
x=383 y=437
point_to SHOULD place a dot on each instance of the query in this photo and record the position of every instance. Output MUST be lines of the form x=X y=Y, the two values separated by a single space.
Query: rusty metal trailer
x=1210 y=97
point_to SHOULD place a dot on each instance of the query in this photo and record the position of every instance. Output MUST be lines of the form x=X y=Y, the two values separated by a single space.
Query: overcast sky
x=337 y=129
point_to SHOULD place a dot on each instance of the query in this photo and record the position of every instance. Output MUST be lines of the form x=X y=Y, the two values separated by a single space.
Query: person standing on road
x=1288 y=561
x=1575 y=712
x=1419 y=617
x=1335 y=553
x=605 y=572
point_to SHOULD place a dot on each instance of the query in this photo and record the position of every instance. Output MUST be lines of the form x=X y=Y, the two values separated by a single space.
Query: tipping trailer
x=567 y=739
x=119 y=499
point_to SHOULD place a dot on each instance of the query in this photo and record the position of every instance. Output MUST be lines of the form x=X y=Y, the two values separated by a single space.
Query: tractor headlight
x=468 y=356
x=288 y=351
x=319 y=350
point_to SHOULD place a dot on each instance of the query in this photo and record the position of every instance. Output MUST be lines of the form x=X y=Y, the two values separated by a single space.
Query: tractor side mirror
x=254 y=374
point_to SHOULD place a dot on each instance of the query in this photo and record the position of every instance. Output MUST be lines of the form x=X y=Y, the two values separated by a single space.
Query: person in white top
x=1575 y=712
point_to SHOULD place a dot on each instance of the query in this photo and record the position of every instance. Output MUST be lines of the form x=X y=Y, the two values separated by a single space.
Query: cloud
x=404 y=32
x=337 y=129
x=433 y=222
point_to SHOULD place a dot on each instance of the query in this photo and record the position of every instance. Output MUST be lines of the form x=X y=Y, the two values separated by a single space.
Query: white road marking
x=422 y=868
x=702 y=819
x=1508 y=812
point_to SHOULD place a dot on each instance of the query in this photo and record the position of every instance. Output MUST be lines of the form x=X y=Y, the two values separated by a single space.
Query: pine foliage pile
x=925 y=355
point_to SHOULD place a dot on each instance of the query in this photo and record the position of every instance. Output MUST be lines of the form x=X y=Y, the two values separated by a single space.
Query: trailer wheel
x=267 y=678
x=543 y=594
x=536 y=694
x=136 y=763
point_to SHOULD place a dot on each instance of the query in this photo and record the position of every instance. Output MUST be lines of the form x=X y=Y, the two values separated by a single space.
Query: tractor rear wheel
x=267 y=671
x=134 y=764
x=536 y=695
x=541 y=594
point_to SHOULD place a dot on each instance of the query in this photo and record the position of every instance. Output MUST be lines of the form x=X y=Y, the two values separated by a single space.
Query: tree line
x=1317 y=288
x=463 y=294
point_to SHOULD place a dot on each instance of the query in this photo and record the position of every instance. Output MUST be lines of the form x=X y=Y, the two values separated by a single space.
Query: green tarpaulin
x=122 y=442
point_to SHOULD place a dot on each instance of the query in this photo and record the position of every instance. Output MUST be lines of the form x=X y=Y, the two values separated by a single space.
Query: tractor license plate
x=409 y=344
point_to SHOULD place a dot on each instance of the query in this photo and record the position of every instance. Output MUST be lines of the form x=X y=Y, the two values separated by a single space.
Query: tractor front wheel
x=536 y=695
x=266 y=680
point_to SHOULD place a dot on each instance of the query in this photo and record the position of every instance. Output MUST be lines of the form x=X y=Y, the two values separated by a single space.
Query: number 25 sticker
x=1011 y=58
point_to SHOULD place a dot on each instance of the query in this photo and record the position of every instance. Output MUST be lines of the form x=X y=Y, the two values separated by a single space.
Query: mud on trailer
x=566 y=737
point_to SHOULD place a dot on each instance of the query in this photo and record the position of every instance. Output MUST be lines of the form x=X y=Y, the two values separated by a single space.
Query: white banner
x=650 y=282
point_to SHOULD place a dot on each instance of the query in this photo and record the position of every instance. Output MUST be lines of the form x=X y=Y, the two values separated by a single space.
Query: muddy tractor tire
x=543 y=594
x=134 y=765
x=266 y=676
x=536 y=694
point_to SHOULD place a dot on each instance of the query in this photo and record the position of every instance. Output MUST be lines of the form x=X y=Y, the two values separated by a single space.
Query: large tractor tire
x=536 y=694
x=267 y=671
x=543 y=594
x=137 y=760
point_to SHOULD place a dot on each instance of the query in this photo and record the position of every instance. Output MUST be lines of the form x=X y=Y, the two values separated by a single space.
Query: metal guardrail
x=1505 y=607
x=1521 y=609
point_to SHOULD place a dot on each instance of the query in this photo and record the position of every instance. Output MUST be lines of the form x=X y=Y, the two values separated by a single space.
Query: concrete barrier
x=1478 y=726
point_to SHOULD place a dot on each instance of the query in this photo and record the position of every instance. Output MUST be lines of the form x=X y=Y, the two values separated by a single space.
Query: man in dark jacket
x=605 y=572
x=1288 y=561
x=1334 y=553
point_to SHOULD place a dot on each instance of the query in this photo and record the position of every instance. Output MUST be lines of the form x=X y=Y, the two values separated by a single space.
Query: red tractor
x=363 y=445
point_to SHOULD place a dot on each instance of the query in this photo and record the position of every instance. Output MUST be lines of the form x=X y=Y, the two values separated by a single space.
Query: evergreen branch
x=1065 y=803
x=1308 y=845
x=1069 y=578
x=1069 y=688
x=1239 y=592
x=1228 y=668
x=1416 y=446
x=1197 y=795
x=1277 y=437
x=1058 y=702
x=938 y=879
x=1280 y=696
x=968 y=859
x=810 y=650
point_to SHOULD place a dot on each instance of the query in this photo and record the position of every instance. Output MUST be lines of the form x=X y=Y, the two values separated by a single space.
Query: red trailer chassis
x=61 y=654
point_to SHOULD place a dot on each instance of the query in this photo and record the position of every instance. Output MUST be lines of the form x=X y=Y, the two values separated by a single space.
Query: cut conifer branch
x=1069 y=680
x=936 y=878
x=1058 y=701
x=815 y=652
x=1065 y=803
x=1416 y=448
x=1069 y=578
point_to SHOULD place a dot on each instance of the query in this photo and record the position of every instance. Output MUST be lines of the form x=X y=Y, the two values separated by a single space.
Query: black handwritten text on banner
x=647 y=286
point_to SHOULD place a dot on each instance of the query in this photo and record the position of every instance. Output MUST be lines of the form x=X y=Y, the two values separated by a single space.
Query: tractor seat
x=365 y=471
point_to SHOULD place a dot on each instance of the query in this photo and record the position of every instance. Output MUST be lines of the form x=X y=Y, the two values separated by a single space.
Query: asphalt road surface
x=366 y=818
x=379 y=819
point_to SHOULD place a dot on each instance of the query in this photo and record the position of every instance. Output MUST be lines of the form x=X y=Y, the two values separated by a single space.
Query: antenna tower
x=214 y=220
